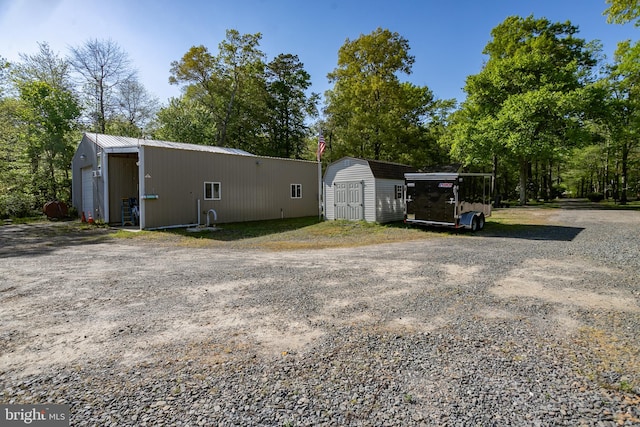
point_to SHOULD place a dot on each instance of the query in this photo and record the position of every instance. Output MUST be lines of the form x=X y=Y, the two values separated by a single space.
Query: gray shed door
x=87 y=191
x=348 y=200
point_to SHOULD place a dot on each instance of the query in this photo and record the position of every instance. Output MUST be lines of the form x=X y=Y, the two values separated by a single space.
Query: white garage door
x=87 y=191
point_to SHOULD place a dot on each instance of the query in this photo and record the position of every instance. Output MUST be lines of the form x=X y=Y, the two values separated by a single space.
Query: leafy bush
x=16 y=205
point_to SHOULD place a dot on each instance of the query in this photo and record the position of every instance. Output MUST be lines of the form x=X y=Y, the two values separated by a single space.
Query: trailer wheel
x=474 y=224
x=481 y=221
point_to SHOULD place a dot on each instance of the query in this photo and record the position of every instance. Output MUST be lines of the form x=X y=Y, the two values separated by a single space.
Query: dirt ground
x=69 y=299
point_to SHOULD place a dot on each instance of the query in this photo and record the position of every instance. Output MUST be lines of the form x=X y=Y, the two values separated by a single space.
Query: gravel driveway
x=538 y=325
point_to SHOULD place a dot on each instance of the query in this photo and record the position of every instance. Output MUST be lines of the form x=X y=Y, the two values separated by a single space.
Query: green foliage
x=288 y=106
x=49 y=114
x=44 y=66
x=526 y=106
x=17 y=204
x=4 y=77
x=14 y=178
x=620 y=119
x=37 y=137
x=187 y=121
x=231 y=86
x=371 y=113
x=234 y=99
x=623 y=11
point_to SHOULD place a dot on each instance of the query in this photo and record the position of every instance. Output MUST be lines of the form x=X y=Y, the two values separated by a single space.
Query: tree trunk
x=549 y=182
x=524 y=167
x=227 y=118
x=102 y=122
x=625 y=158
x=494 y=190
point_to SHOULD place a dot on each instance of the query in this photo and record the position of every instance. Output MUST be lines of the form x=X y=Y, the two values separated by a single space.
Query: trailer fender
x=467 y=220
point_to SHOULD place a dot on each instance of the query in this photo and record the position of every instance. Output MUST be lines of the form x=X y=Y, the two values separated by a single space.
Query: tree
x=623 y=108
x=45 y=66
x=49 y=114
x=527 y=102
x=135 y=111
x=623 y=11
x=372 y=113
x=231 y=85
x=5 y=81
x=288 y=106
x=36 y=128
x=587 y=169
x=186 y=120
x=103 y=66
x=15 y=190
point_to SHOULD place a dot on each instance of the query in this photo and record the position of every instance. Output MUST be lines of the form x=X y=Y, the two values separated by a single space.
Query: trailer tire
x=481 y=221
x=474 y=224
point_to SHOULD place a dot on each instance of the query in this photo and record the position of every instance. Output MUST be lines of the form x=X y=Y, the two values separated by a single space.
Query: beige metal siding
x=252 y=188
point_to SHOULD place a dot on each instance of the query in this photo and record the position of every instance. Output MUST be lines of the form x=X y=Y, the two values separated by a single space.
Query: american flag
x=321 y=146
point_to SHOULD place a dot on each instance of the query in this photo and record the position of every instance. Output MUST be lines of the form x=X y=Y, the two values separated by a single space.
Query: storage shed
x=160 y=184
x=369 y=190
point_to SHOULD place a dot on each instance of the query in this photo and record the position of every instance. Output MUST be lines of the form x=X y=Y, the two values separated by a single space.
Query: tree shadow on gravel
x=36 y=239
x=531 y=232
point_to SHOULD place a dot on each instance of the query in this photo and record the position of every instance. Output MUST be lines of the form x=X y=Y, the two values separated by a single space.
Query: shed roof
x=389 y=170
x=115 y=143
x=452 y=168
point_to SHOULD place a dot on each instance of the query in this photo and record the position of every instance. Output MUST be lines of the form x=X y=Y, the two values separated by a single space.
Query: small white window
x=398 y=191
x=212 y=191
x=296 y=191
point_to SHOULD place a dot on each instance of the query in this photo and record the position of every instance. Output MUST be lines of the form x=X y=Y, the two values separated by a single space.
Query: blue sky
x=446 y=37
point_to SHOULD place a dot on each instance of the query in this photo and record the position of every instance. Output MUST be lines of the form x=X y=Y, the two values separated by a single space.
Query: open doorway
x=123 y=188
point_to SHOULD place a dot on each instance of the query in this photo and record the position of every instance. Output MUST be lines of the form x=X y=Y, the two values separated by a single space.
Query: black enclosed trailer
x=460 y=200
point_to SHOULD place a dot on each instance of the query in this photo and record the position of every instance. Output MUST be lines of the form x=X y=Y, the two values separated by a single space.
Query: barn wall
x=252 y=188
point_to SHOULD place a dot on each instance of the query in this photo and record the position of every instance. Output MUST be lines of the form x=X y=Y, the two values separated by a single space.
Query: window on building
x=212 y=191
x=296 y=191
x=398 y=191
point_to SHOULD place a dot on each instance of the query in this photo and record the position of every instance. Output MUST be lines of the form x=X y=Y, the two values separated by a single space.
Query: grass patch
x=310 y=233
x=296 y=233
x=610 y=204
x=287 y=234
x=521 y=215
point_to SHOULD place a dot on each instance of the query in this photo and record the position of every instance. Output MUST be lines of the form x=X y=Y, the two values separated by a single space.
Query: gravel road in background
x=532 y=325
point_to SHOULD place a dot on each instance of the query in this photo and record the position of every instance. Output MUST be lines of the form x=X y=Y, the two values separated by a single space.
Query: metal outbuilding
x=162 y=184
x=369 y=190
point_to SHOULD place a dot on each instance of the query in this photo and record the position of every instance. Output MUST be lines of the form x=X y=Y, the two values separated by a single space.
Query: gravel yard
x=538 y=325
